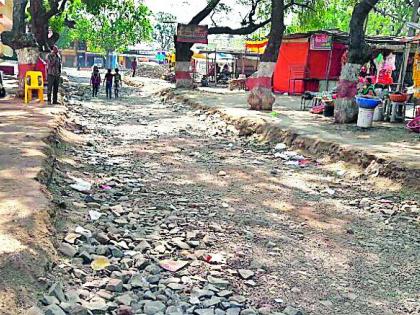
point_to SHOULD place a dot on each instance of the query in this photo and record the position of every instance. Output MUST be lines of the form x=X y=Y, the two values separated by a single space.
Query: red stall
x=308 y=62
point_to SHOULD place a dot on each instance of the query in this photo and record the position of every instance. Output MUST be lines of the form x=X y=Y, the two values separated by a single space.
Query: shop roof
x=343 y=37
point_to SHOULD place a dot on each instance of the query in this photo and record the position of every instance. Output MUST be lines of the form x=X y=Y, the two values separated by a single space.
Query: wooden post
x=327 y=73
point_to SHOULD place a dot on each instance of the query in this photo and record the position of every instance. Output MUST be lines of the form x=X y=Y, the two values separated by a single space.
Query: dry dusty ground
x=25 y=232
x=321 y=238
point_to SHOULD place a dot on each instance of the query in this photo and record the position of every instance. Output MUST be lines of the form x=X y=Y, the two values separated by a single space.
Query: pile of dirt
x=151 y=70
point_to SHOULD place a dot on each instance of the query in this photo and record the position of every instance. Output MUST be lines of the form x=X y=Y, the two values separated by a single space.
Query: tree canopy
x=113 y=26
x=164 y=30
x=387 y=18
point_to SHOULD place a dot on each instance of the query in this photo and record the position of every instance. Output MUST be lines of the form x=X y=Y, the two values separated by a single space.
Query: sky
x=184 y=10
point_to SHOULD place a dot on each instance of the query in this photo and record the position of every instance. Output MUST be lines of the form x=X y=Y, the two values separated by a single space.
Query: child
x=117 y=83
x=108 y=81
x=95 y=81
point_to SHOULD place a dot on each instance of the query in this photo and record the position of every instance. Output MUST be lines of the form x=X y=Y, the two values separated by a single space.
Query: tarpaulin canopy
x=257 y=46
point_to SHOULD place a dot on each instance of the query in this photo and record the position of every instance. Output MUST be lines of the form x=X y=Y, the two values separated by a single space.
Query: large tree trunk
x=27 y=59
x=183 y=56
x=39 y=23
x=260 y=83
x=346 y=110
x=24 y=44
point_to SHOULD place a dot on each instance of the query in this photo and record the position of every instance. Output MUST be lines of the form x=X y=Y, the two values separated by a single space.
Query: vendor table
x=237 y=84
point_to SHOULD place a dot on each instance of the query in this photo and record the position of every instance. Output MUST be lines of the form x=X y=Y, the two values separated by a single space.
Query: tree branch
x=238 y=31
x=204 y=13
x=252 y=12
x=56 y=8
x=384 y=13
x=293 y=3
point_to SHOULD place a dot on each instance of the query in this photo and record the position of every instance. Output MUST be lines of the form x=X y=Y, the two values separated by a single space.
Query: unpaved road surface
x=244 y=230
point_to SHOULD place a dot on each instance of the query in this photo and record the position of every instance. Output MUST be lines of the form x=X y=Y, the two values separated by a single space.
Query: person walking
x=53 y=74
x=108 y=83
x=134 y=66
x=117 y=83
x=95 y=81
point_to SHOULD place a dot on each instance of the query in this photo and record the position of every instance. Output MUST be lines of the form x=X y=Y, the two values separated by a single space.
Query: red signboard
x=321 y=42
x=192 y=34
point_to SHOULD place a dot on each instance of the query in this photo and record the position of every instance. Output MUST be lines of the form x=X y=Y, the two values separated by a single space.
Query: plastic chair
x=34 y=82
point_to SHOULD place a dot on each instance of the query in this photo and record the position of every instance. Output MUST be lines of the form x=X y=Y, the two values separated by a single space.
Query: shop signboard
x=321 y=42
x=192 y=34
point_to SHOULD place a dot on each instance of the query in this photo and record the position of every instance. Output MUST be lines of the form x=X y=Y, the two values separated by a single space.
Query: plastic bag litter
x=100 y=263
x=81 y=185
x=292 y=163
x=217 y=258
x=94 y=215
x=105 y=187
x=329 y=191
x=82 y=231
x=280 y=147
x=289 y=155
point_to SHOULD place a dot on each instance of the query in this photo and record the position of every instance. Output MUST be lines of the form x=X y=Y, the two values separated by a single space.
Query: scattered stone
x=251 y=283
x=137 y=281
x=114 y=285
x=102 y=238
x=212 y=302
x=71 y=237
x=280 y=147
x=96 y=305
x=54 y=310
x=34 y=310
x=174 y=310
x=153 y=279
x=57 y=290
x=292 y=311
x=125 y=299
x=225 y=293
x=173 y=265
x=76 y=309
x=105 y=294
x=153 y=307
x=351 y=296
x=248 y=311
x=265 y=310
x=152 y=269
x=246 y=274
x=149 y=296
x=194 y=300
x=218 y=282
x=180 y=244
x=326 y=303
x=233 y=311
x=125 y=310
x=176 y=286
x=238 y=298
x=49 y=300
x=200 y=293
x=206 y=311
x=67 y=250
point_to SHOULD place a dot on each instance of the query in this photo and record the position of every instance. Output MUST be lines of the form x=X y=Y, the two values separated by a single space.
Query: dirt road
x=249 y=228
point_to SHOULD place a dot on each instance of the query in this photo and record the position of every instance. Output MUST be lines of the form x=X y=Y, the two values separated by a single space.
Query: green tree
x=119 y=24
x=164 y=30
x=387 y=18
x=107 y=26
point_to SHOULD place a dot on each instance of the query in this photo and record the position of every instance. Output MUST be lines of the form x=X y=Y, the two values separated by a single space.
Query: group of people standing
x=110 y=80
x=54 y=65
